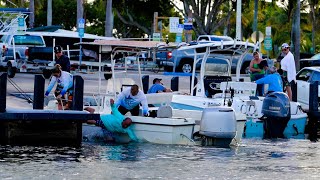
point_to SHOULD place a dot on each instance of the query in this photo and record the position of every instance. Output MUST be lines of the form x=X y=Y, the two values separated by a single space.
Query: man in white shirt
x=130 y=99
x=289 y=69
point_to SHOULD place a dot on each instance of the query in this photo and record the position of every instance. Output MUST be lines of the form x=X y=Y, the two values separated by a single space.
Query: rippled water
x=254 y=159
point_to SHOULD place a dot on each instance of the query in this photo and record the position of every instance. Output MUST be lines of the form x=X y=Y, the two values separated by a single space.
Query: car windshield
x=221 y=38
x=317 y=56
x=28 y=40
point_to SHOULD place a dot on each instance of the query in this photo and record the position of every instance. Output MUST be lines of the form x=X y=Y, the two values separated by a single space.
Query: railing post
x=175 y=84
x=195 y=83
x=38 y=92
x=3 y=92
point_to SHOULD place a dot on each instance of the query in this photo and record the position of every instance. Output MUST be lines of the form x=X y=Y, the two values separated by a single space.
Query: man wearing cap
x=158 y=87
x=289 y=69
x=273 y=80
x=62 y=59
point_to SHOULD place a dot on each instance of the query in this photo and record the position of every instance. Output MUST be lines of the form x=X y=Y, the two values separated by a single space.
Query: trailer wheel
x=46 y=73
x=11 y=71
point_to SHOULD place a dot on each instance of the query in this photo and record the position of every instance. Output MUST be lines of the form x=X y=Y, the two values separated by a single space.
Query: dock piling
x=175 y=84
x=3 y=92
x=38 y=95
x=77 y=100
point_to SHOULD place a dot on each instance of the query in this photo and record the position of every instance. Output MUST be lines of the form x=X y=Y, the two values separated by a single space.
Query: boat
x=216 y=87
x=178 y=126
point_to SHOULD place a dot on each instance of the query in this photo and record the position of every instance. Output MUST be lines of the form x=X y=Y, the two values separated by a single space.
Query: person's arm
x=115 y=110
x=66 y=83
x=263 y=80
x=120 y=97
x=51 y=84
x=131 y=134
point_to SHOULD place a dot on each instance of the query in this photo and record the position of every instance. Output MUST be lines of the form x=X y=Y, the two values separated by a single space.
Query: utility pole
x=238 y=20
x=79 y=10
x=49 y=13
x=255 y=20
x=31 y=16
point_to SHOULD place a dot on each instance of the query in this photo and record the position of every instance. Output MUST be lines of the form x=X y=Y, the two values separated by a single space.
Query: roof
x=314 y=68
x=218 y=43
x=131 y=44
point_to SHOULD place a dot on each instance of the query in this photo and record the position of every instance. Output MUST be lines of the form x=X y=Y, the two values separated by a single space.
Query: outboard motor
x=218 y=126
x=276 y=114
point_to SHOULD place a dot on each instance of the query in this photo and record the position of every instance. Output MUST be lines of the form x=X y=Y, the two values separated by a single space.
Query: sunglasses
x=284 y=49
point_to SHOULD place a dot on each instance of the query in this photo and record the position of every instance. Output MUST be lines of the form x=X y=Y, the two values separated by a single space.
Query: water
x=254 y=159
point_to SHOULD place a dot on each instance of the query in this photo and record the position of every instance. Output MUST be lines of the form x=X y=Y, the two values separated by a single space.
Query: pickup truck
x=182 y=60
x=15 y=53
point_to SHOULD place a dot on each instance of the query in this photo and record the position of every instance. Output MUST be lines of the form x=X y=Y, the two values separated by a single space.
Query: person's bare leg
x=289 y=92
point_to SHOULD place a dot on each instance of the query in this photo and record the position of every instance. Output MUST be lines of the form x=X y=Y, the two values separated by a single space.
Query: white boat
x=170 y=126
x=215 y=77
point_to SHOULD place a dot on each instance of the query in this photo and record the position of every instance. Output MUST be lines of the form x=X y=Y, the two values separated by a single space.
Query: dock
x=43 y=127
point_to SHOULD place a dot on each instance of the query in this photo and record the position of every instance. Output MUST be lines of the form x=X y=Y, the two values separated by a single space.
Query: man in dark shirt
x=62 y=59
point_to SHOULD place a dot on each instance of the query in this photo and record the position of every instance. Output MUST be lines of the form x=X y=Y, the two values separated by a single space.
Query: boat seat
x=212 y=83
x=164 y=112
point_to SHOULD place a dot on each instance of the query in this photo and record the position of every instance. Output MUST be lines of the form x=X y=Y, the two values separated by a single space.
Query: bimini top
x=147 y=45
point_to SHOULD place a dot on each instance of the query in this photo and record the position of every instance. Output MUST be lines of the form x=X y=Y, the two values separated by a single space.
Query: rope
x=25 y=96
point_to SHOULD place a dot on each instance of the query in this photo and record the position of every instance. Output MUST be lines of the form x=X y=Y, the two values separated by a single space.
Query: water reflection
x=254 y=159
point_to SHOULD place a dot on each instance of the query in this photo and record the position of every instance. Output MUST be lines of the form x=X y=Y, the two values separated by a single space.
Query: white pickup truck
x=15 y=53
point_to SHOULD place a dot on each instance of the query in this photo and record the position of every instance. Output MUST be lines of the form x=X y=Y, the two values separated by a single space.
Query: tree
x=208 y=15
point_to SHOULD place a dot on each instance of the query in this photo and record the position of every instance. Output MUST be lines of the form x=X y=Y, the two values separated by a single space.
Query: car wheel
x=186 y=67
x=11 y=71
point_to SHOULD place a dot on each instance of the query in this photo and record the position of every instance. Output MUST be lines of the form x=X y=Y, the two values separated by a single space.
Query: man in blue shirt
x=114 y=122
x=273 y=80
x=158 y=87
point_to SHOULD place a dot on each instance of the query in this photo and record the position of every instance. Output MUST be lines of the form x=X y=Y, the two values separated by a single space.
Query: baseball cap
x=57 y=49
x=284 y=45
x=156 y=79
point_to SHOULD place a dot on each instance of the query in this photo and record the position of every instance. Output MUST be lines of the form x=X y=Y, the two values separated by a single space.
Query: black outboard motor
x=276 y=114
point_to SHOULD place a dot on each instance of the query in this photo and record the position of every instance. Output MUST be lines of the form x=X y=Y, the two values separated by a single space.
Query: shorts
x=285 y=80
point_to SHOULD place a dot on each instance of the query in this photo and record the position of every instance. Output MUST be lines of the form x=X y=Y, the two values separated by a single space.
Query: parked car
x=304 y=77
x=313 y=61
